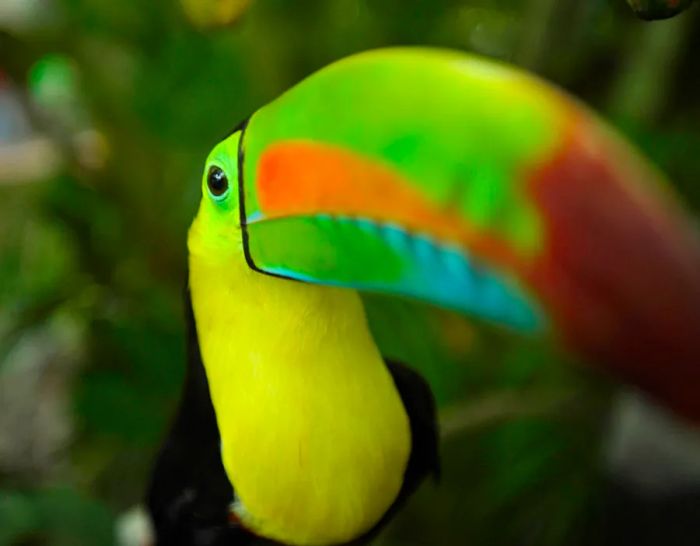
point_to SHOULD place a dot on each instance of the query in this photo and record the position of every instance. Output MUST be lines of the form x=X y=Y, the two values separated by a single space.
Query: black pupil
x=217 y=181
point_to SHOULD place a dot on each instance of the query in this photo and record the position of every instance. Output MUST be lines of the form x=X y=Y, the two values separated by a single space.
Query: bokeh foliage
x=128 y=97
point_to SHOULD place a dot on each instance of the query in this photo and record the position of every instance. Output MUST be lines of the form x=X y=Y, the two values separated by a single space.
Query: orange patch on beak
x=303 y=178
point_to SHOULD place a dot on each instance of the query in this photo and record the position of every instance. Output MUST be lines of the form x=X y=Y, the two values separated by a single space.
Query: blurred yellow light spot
x=206 y=14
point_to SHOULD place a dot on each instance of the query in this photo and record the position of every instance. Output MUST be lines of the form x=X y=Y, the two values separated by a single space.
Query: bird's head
x=216 y=231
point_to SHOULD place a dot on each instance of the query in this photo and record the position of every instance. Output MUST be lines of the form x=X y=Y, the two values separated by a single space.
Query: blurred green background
x=107 y=111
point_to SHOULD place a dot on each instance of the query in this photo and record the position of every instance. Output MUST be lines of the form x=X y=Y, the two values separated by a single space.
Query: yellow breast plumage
x=315 y=438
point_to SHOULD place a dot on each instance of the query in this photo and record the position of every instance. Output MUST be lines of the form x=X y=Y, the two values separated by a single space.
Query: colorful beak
x=470 y=185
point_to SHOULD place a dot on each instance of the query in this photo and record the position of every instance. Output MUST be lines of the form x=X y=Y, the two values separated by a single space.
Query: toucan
x=424 y=174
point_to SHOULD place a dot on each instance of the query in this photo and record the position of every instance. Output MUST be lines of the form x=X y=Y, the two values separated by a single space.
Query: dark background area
x=107 y=111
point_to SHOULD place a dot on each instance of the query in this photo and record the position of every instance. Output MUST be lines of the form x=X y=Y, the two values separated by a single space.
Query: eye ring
x=217 y=183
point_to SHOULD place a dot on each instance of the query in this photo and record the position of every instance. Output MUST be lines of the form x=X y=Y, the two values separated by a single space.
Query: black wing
x=420 y=405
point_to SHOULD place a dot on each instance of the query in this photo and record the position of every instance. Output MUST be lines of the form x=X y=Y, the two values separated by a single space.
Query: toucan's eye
x=217 y=182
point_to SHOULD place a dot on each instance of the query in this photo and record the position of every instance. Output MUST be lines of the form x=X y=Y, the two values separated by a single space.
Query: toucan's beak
x=467 y=184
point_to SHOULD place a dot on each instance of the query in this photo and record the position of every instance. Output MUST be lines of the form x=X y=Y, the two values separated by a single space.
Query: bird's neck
x=315 y=438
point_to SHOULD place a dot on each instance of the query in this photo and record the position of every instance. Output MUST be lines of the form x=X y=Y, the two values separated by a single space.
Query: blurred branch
x=535 y=35
x=552 y=35
x=492 y=409
x=653 y=52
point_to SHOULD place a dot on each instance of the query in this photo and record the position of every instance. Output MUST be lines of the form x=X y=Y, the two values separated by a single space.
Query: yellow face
x=216 y=229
